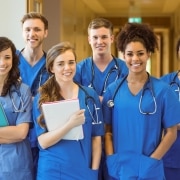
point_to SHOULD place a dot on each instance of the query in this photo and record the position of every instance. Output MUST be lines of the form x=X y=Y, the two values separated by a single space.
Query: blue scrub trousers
x=172 y=173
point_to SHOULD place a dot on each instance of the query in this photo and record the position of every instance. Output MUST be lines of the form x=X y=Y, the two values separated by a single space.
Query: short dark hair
x=100 y=22
x=35 y=15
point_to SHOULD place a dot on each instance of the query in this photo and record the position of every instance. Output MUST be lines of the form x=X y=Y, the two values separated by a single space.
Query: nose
x=31 y=32
x=135 y=56
x=66 y=66
x=1 y=61
x=99 y=40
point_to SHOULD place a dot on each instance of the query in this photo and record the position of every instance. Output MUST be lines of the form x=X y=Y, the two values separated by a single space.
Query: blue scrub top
x=172 y=157
x=16 y=158
x=84 y=74
x=70 y=159
x=34 y=77
x=136 y=136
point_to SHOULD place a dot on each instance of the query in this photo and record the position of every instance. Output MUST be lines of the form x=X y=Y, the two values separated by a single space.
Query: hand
x=77 y=118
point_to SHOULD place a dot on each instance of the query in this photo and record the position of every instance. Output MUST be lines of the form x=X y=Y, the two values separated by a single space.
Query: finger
x=81 y=111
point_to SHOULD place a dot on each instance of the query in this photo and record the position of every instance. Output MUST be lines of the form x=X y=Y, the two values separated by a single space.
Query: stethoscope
x=90 y=99
x=20 y=108
x=174 y=83
x=113 y=69
x=42 y=70
x=147 y=86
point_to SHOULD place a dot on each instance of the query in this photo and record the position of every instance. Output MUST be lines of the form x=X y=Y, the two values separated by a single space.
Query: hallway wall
x=11 y=13
x=69 y=19
x=176 y=22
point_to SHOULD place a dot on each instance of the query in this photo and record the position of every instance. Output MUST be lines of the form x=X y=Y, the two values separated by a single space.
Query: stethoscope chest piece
x=110 y=103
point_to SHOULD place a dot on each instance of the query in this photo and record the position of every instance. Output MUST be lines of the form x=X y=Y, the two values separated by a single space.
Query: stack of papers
x=57 y=113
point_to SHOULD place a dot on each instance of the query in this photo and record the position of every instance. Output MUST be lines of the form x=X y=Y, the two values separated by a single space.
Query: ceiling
x=116 y=8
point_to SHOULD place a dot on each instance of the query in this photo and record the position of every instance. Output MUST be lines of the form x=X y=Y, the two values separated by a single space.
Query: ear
x=89 y=39
x=46 y=33
x=112 y=38
x=51 y=70
x=123 y=55
x=149 y=54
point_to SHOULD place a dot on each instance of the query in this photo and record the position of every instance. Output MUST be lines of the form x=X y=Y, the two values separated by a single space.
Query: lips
x=67 y=74
x=2 y=68
x=136 y=65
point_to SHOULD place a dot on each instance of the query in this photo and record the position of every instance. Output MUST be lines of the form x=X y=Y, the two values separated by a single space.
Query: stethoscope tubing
x=21 y=107
x=116 y=67
x=110 y=103
x=88 y=97
x=177 y=84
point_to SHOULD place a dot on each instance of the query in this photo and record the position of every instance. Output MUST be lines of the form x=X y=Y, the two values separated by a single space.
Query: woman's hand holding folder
x=77 y=118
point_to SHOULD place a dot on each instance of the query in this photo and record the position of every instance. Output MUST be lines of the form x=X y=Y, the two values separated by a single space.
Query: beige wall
x=11 y=13
x=68 y=21
x=176 y=37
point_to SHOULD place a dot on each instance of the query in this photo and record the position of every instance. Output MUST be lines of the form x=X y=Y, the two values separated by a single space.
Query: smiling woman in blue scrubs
x=68 y=159
x=16 y=100
x=136 y=110
x=172 y=157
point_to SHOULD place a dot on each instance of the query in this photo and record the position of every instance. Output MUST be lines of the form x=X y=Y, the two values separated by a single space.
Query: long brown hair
x=14 y=74
x=49 y=91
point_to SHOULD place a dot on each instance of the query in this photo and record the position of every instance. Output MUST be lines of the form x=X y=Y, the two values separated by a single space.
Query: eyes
x=36 y=29
x=131 y=54
x=63 y=63
x=101 y=37
x=6 y=57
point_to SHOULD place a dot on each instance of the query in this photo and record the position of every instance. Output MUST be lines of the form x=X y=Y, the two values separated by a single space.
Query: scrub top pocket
x=150 y=169
x=113 y=165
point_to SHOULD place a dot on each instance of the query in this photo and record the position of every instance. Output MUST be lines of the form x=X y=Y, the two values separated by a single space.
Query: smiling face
x=34 y=32
x=136 y=57
x=64 y=67
x=5 y=62
x=100 y=40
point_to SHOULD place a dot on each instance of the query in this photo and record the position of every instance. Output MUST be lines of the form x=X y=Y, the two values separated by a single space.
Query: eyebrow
x=136 y=51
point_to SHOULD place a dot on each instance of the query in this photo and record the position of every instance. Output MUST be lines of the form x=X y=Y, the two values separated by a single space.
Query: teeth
x=2 y=68
x=67 y=74
x=135 y=65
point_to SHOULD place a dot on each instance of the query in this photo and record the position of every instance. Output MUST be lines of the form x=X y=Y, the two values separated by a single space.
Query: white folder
x=56 y=114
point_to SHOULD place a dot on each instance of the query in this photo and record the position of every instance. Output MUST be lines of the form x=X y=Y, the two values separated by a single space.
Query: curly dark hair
x=14 y=74
x=132 y=32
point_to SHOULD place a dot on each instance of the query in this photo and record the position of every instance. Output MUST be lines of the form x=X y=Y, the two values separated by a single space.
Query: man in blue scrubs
x=102 y=68
x=171 y=159
x=32 y=61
